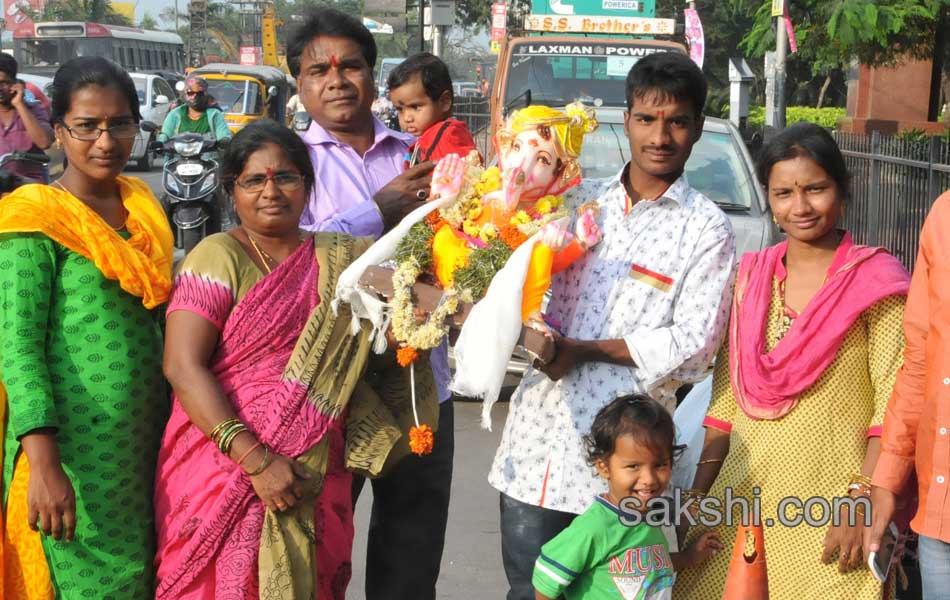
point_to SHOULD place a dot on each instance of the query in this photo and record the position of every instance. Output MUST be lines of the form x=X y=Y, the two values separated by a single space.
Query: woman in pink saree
x=252 y=497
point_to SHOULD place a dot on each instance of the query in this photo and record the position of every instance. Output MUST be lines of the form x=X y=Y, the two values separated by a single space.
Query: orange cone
x=747 y=578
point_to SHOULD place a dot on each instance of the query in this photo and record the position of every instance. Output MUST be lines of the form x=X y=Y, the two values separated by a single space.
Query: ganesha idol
x=489 y=236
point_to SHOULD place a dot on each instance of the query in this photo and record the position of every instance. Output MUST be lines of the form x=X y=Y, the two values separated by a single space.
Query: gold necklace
x=65 y=189
x=265 y=257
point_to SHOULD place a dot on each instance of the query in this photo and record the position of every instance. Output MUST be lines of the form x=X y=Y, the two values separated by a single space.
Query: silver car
x=155 y=96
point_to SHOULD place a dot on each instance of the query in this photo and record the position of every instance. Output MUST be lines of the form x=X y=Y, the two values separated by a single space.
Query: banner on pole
x=694 y=36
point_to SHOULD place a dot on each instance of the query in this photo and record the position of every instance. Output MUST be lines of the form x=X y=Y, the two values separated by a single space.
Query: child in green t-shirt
x=602 y=554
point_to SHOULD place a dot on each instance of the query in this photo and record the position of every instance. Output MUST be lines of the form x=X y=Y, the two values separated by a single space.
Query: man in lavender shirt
x=24 y=126
x=361 y=189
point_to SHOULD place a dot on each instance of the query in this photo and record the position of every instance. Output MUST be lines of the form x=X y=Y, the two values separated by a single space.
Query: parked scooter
x=9 y=181
x=192 y=194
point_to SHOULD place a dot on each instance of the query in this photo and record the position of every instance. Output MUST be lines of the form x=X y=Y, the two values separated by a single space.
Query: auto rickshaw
x=247 y=93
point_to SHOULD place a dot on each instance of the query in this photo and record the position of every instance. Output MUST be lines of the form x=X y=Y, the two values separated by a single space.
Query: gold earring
x=774 y=220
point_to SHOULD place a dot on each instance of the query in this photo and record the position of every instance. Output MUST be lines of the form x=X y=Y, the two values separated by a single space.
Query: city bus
x=43 y=47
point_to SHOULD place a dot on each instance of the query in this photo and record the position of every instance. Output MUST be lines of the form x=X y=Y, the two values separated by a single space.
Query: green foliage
x=94 y=11
x=824 y=117
x=148 y=22
x=831 y=33
x=417 y=244
x=477 y=13
x=483 y=263
x=912 y=136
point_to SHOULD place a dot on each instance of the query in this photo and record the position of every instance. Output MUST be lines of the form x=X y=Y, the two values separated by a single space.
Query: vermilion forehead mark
x=532 y=142
x=661 y=114
x=269 y=172
x=333 y=61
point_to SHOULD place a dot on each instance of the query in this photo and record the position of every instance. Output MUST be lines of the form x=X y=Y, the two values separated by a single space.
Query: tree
x=833 y=33
x=476 y=14
x=95 y=11
x=171 y=16
x=148 y=22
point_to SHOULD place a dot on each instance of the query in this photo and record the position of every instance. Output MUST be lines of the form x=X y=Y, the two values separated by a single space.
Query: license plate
x=189 y=169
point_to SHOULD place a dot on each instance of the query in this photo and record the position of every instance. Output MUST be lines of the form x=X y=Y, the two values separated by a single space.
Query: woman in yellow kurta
x=801 y=386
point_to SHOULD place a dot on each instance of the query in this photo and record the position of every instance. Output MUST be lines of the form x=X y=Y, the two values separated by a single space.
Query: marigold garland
x=406 y=355
x=413 y=255
x=512 y=236
x=421 y=439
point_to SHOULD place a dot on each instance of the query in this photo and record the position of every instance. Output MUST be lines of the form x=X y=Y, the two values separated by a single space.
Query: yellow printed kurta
x=812 y=451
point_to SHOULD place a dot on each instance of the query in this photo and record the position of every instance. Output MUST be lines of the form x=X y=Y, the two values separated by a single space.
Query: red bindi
x=269 y=173
x=333 y=61
x=661 y=114
x=532 y=142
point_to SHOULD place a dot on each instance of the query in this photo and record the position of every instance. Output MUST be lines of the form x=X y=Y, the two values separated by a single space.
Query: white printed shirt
x=660 y=279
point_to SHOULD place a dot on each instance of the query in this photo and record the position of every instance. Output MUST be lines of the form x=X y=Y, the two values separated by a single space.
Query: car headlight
x=207 y=184
x=188 y=148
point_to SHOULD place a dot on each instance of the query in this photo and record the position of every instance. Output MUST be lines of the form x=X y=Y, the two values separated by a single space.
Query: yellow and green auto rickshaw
x=247 y=93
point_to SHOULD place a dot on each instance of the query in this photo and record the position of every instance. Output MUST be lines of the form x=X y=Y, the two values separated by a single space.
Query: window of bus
x=52 y=52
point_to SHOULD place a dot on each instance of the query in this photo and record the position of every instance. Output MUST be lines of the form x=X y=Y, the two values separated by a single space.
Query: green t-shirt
x=189 y=125
x=597 y=558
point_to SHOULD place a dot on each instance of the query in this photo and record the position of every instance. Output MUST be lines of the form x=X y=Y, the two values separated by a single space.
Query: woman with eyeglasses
x=84 y=264
x=251 y=491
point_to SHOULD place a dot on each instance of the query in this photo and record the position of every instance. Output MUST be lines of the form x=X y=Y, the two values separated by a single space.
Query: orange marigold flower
x=406 y=355
x=512 y=236
x=434 y=220
x=421 y=439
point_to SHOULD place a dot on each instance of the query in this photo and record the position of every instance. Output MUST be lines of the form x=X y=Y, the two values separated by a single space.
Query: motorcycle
x=192 y=194
x=8 y=181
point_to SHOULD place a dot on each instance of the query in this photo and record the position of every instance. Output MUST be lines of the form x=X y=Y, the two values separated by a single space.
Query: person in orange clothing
x=917 y=421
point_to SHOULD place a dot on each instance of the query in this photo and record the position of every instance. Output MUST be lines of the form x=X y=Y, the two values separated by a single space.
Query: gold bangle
x=217 y=429
x=264 y=464
x=224 y=434
x=228 y=438
x=709 y=461
x=860 y=478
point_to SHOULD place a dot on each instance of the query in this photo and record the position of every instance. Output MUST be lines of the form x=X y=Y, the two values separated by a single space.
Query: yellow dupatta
x=142 y=266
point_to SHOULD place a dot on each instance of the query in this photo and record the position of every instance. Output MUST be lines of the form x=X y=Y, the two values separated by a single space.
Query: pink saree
x=289 y=367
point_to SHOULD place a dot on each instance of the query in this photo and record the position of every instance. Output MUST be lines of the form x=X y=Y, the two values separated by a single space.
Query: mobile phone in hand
x=880 y=562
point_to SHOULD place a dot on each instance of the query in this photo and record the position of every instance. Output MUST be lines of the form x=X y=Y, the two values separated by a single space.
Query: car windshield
x=560 y=73
x=140 y=88
x=231 y=95
x=716 y=166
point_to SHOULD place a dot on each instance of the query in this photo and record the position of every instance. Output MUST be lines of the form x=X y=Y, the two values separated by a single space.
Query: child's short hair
x=638 y=415
x=433 y=73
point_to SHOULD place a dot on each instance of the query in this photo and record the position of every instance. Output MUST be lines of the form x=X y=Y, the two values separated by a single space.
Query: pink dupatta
x=767 y=385
x=208 y=522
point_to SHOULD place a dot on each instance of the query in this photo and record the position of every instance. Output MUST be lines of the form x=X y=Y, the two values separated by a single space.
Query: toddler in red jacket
x=421 y=90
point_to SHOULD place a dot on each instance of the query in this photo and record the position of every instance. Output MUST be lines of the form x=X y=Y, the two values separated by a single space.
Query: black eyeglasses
x=87 y=132
x=286 y=182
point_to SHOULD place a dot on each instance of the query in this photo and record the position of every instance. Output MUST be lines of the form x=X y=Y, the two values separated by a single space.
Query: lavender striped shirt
x=346 y=182
x=342 y=198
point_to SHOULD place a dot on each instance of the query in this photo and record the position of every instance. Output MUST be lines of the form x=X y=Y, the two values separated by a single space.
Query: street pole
x=437 y=40
x=781 y=52
x=177 y=28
